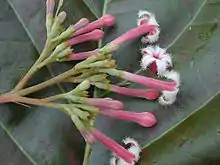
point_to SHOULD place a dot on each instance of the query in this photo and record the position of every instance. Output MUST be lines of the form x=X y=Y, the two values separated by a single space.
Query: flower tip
x=108 y=20
x=147 y=119
x=61 y=17
x=50 y=6
x=152 y=94
x=97 y=34
x=81 y=23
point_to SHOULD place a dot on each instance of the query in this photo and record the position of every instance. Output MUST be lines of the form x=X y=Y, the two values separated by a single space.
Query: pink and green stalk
x=82 y=55
x=146 y=81
x=95 y=35
x=113 y=146
x=105 y=102
x=150 y=82
x=104 y=21
x=144 y=119
x=149 y=94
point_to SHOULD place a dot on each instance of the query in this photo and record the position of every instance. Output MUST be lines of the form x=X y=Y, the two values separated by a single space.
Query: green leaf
x=36 y=135
x=190 y=31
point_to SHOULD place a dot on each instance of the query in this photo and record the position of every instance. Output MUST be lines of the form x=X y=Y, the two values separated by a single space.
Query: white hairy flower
x=169 y=97
x=145 y=17
x=133 y=147
x=162 y=59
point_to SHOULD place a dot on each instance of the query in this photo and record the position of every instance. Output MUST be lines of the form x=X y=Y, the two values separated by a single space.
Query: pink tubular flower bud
x=95 y=35
x=149 y=94
x=133 y=33
x=50 y=6
x=144 y=119
x=146 y=81
x=82 y=55
x=150 y=82
x=113 y=146
x=105 y=20
x=105 y=102
x=81 y=23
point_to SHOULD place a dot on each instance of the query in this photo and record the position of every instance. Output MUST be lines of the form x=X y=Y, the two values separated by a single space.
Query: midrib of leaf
x=193 y=113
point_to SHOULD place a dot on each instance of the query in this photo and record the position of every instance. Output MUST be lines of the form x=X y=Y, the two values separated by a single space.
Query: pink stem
x=145 y=119
x=149 y=94
x=113 y=146
x=82 y=55
x=105 y=102
x=94 y=35
x=150 y=82
x=106 y=20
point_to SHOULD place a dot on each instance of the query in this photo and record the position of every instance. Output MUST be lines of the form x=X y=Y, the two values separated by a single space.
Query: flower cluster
x=156 y=59
x=94 y=69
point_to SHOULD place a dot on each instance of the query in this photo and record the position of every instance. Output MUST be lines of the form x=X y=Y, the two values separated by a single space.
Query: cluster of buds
x=94 y=70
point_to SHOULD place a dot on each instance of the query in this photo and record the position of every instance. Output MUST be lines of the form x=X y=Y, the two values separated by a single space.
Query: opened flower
x=145 y=17
x=132 y=146
x=156 y=59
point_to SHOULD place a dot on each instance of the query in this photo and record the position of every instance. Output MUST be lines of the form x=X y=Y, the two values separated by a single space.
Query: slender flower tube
x=105 y=20
x=144 y=119
x=146 y=81
x=132 y=34
x=95 y=35
x=156 y=59
x=149 y=94
x=82 y=55
x=105 y=102
x=99 y=102
x=113 y=146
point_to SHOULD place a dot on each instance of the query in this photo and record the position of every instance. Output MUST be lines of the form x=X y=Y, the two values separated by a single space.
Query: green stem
x=47 y=83
x=39 y=102
x=46 y=51
x=87 y=154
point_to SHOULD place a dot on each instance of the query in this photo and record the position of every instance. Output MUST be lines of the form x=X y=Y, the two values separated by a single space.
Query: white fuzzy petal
x=161 y=67
x=152 y=21
x=173 y=75
x=167 y=57
x=168 y=97
x=130 y=140
x=146 y=61
x=122 y=162
x=143 y=12
x=151 y=38
x=113 y=160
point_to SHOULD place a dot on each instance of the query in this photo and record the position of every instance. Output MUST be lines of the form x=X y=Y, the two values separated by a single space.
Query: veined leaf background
x=186 y=133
